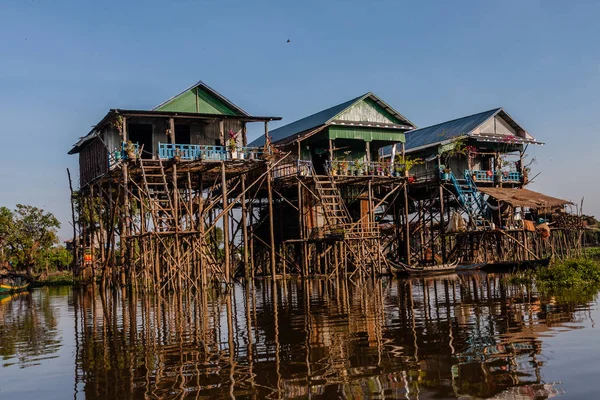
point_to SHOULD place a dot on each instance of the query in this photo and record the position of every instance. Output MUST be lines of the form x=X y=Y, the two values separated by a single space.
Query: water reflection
x=28 y=329
x=444 y=337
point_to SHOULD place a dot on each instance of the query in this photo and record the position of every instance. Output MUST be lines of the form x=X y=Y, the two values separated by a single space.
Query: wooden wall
x=93 y=161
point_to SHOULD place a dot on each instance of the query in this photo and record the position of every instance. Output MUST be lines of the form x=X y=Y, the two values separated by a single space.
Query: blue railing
x=488 y=176
x=514 y=177
x=116 y=156
x=208 y=153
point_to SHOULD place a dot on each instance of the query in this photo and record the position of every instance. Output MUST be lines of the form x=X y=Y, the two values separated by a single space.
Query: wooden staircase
x=161 y=202
x=361 y=238
x=334 y=208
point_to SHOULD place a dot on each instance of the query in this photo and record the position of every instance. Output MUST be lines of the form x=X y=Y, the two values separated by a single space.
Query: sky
x=64 y=64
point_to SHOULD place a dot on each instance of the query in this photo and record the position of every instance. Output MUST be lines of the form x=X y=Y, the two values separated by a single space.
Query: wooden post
x=370 y=196
x=407 y=224
x=245 y=228
x=225 y=223
x=172 y=130
x=271 y=229
x=221 y=133
x=442 y=223
x=75 y=263
x=301 y=219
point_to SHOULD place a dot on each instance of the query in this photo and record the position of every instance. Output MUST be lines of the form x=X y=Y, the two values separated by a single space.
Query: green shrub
x=571 y=273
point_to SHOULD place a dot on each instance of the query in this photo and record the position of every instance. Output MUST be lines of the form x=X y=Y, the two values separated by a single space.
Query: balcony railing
x=351 y=168
x=116 y=156
x=207 y=153
x=488 y=176
x=298 y=167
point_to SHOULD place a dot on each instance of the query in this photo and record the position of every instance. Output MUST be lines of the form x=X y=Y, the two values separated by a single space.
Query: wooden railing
x=354 y=230
x=298 y=167
x=353 y=168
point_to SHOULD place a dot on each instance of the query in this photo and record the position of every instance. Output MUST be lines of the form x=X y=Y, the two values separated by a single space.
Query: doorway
x=182 y=134
x=142 y=135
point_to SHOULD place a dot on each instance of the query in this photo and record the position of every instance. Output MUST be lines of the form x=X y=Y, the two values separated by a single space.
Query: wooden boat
x=471 y=267
x=506 y=266
x=13 y=283
x=425 y=270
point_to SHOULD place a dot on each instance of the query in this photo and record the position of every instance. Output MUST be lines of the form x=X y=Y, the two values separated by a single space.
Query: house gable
x=367 y=110
x=496 y=126
x=200 y=98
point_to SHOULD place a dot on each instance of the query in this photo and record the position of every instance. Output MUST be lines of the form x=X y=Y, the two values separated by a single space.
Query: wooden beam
x=225 y=222
x=172 y=130
x=271 y=228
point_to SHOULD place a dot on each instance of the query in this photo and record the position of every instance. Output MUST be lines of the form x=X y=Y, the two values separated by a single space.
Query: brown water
x=447 y=337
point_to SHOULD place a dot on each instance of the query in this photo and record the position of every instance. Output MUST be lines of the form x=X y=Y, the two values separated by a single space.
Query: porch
x=488 y=176
x=187 y=152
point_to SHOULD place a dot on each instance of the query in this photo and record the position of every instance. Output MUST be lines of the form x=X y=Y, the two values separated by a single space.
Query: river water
x=457 y=336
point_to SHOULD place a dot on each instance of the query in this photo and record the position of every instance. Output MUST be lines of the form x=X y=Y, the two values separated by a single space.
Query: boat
x=13 y=283
x=426 y=269
x=471 y=267
x=505 y=266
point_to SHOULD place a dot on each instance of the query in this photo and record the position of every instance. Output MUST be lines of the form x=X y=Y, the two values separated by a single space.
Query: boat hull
x=429 y=270
x=519 y=265
x=8 y=288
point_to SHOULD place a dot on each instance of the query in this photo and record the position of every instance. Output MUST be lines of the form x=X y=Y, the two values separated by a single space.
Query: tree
x=6 y=219
x=32 y=231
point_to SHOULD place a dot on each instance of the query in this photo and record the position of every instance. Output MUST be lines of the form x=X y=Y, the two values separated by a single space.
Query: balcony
x=358 y=168
x=207 y=153
x=115 y=157
x=298 y=167
x=487 y=176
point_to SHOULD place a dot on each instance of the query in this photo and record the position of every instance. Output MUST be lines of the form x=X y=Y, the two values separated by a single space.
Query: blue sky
x=63 y=64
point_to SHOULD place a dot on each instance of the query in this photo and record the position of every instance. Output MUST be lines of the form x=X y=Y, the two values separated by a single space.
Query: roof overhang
x=109 y=117
x=523 y=198
x=480 y=138
x=505 y=139
x=371 y=125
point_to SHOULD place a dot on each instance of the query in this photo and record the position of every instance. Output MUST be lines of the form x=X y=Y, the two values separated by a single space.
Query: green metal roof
x=200 y=98
x=304 y=126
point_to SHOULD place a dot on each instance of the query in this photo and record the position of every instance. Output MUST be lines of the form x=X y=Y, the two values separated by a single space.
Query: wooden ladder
x=161 y=203
x=334 y=208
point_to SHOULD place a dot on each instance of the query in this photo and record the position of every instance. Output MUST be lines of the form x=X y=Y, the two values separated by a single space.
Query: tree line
x=29 y=240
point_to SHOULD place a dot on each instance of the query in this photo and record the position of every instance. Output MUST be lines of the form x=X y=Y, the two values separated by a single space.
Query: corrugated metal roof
x=449 y=130
x=523 y=197
x=322 y=118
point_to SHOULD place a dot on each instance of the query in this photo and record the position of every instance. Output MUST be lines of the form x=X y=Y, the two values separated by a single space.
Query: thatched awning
x=524 y=198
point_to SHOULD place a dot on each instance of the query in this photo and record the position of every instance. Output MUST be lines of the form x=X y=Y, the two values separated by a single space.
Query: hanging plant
x=118 y=124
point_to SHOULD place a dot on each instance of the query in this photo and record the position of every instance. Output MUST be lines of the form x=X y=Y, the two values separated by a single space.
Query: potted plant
x=446 y=171
x=398 y=170
x=177 y=155
x=130 y=150
x=410 y=162
x=343 y=166
x=232 y=144
x=358 y=167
